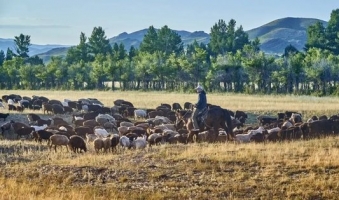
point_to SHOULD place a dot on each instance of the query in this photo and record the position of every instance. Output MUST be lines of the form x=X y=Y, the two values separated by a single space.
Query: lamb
x=139 y=143
x=98 y=144
x=139 y=114
x=58 y=140
x=76 y=143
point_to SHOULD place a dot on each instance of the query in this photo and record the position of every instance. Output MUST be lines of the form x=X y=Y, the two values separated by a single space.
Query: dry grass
x=294 y=170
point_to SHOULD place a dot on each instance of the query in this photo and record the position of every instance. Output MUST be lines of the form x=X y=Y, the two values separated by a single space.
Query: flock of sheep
x=77 y=124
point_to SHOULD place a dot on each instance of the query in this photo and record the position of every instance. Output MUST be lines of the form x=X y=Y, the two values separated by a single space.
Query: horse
x=214 y=118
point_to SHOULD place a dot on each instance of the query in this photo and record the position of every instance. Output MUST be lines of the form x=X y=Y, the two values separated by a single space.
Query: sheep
x=38 y=128
x=90 y=137
x=41 y=135
x=101 y=133
x=41 y=122
x=125 y=142
x=246 y=137
x=166 y=126
x=24 y=131
x=107 y=143
x=77 y=143
x=103 y=118
x=140 y=114
x=127 y=124
x=114 y=141
x=153 y=139
x=6 y=127
x=17 y=125
x=58 y=140
x=287 y=124
x=98 y=144
x=139 y=143
x=2 y=105
x=10 y=102
x=110 y=126
x=123 y=130
x=164 y=120
x=82 y=131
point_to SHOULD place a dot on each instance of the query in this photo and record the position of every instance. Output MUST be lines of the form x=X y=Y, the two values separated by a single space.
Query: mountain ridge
x=274 y=36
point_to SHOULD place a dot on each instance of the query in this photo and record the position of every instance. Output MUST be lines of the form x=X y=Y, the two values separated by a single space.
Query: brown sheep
x=58 y=140
x=91 y=123
x=77 y=143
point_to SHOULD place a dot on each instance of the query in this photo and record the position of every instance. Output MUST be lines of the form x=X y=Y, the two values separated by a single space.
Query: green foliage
x=22 y=43
x=98 y=42
x=2 y=57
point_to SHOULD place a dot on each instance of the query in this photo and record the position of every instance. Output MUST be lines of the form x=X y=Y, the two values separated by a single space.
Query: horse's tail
x=228 y=119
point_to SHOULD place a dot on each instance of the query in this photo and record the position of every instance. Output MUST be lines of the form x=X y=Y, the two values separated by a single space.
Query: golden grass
x=289 y=170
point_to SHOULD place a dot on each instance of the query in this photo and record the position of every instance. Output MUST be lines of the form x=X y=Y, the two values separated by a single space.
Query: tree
x=9 y=54
x=226 y=38
x=98 y=42
x=2 y=57
x=332 y=32
x=22 y=43
x=290 y=49
x=150 y=42
x=80 y=52
x=169 y=41
x=316 y=36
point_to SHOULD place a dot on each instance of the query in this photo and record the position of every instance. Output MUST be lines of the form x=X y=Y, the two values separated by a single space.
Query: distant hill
x=278 y=34
x=274 y=37
x=135 y=38
x=34 y=49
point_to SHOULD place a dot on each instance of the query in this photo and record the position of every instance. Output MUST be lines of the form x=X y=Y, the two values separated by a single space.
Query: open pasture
x=287 y=170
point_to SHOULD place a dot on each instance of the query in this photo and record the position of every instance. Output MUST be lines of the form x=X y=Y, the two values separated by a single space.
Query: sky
x=62 y=21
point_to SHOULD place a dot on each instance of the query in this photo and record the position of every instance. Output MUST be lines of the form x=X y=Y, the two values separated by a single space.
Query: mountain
x=34 y=49
x=274 y=37
x=135 y=38
x=278 y=34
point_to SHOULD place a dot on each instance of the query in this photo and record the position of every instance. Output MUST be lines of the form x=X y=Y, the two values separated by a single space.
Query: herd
x=87 y=122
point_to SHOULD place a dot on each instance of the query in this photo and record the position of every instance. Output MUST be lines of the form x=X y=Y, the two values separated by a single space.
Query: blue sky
x=62 y=21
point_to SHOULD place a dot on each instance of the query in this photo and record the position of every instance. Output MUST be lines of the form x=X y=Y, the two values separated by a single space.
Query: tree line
x=230 y=62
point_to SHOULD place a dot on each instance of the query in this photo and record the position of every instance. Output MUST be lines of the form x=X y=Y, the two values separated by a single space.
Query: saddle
x=202 y=116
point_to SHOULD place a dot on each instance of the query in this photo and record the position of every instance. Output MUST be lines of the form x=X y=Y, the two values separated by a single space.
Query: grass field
x=289 y=170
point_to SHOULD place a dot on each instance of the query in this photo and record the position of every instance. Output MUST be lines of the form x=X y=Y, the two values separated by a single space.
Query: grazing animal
x=77 y=143
x=98 y=144
x=6 y=127
x=58 y=140
x=40 y=135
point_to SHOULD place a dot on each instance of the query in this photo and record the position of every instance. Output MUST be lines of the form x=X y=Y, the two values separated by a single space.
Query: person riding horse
x=199 y=106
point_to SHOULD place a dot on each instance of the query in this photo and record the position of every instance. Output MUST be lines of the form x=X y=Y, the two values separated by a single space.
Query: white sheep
x=139 y=143
x=38 y=128
x=140 y=114
x=164 y=120
x=10 y=102
x=246 y=137
x=101 y=133
x=58 y=140
x=125 y=142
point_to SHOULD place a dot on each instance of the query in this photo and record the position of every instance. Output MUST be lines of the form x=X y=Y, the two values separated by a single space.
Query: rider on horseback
x=199 y=106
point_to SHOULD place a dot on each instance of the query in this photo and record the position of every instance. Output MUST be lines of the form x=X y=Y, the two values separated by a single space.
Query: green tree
x=169 y=41
x=2 y=57
x=290 y=49
x=332 y=32
x=98 y=74
x=150 y=43
x=98 y=42
x=22 y=43
x=316 y=36
x=9 y=54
